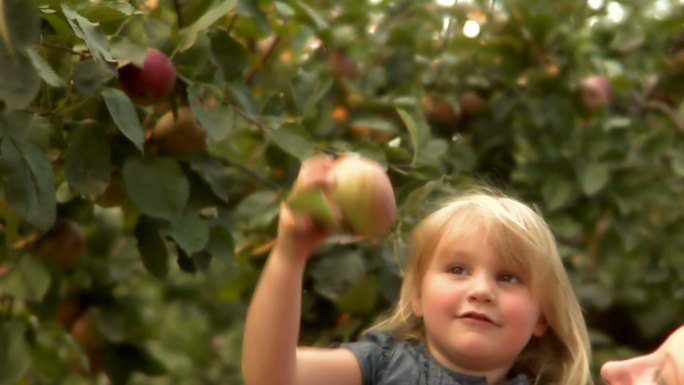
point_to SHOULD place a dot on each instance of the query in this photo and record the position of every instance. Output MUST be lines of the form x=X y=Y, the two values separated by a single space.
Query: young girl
x=485 y=300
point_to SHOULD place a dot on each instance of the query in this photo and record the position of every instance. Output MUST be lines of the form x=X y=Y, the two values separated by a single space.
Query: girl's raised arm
x=270 y=354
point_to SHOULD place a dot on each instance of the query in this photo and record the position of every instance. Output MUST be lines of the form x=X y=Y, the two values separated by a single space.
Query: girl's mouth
x=477 y=317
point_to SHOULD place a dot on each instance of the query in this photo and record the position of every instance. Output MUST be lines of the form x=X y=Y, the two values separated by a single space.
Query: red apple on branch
x=596 y=92
x=176 y=135
x=152 y=82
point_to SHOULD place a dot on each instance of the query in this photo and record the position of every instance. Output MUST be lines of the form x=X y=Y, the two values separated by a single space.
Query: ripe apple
x=85 y=332
x=62 y=245
x=68 y=312
x=360 y=192
x=151 y=83
x=677 y=61
x=471 y=103
x=179 y=135
x=363 y=192
x=114 y=195
x=341 y=66
x=596 y=92
x=439 y=111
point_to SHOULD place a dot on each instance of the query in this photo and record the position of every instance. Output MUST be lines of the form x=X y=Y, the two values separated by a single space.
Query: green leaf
x=214 y=174
x=90 y=76
x=221 y=244
x=45 y=360
x=256 y=14
x=293 y=139
x=283 y=9
x=26 y=174
x=360 y=298
x=337 y=272
x=87 y=161
x=19 y=24
x=308 y=90
x=108 y=10
x=313 y=202
x=312 y=15
x=593 y=177
x=677 y=162
x=14 y=353
x=216 y=118
x=557 y=192
x=242 y=95
x=190 y=232
x=126 y=50
x=28 y=280
x=44 y=70
x=123 y=112
x=19 y=82
x=189 y=34
x=157 y=187
x=152 y=247
x=122 y=360
x=111 y=322
x=90 y=33
x=4 y=30
x=412 y=129
x=228 y=55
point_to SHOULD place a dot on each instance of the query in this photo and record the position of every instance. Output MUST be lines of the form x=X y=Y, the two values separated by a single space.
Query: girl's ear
x=541 y=326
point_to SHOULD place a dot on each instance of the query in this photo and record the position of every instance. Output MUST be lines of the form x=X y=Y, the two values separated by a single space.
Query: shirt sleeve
x=372 y=351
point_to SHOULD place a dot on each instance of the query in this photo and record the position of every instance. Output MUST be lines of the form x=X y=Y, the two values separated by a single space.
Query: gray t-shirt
x=385 y=360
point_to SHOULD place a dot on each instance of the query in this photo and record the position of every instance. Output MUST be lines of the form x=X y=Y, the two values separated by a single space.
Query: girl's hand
x=299 y=234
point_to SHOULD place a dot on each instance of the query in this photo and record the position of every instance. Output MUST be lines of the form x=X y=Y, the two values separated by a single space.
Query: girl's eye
x=458 y=270
x=510 y=278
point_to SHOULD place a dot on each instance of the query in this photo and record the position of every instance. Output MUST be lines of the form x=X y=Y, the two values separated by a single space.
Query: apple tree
x=145 y=147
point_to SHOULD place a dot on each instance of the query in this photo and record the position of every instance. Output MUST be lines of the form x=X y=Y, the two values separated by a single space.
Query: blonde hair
x=560 y=356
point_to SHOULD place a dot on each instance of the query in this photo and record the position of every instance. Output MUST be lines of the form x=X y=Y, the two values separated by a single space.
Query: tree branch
x=659 y=106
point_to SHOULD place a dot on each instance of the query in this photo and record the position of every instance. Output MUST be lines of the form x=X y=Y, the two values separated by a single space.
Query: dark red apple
x=151 y=83
x=63 y=245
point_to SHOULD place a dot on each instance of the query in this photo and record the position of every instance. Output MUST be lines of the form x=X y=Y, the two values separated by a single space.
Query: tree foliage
x=127 y=258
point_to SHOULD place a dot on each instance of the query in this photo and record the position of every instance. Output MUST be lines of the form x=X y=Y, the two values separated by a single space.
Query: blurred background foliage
x=125 y=261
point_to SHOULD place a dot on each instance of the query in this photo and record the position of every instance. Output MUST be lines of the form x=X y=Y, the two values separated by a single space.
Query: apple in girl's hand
x=151 y=83
x=361 y=192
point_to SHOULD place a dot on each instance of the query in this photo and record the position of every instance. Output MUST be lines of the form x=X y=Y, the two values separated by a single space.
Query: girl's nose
x=481 y=289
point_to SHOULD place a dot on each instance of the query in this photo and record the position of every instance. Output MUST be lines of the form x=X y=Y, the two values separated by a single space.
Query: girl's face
x=478 y=311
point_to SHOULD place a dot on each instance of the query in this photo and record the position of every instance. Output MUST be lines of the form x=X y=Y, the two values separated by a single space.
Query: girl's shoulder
x=387 y=360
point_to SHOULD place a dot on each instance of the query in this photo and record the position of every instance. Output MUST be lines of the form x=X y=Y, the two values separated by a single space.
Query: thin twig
x=262 y=60
x=82 y=55
x=251 y=173
x=657 y=105
x=252 y=119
